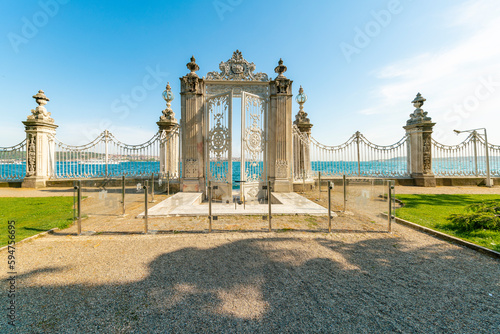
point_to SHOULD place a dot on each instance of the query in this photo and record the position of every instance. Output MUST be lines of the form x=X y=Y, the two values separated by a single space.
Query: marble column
x=169 y=144
x=192 y=130
x=280 y=149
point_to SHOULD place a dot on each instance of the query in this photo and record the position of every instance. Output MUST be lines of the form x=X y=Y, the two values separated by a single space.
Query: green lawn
x=432 y=210
x=34 y=215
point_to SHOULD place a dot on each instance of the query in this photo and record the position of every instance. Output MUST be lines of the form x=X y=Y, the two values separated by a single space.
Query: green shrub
x=478 y=216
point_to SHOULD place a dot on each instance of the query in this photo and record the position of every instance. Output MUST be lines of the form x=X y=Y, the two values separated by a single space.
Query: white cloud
x=450 y=78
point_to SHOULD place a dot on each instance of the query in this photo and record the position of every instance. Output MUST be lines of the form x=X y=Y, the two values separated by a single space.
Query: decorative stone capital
x=419 y=115
x=40 y=113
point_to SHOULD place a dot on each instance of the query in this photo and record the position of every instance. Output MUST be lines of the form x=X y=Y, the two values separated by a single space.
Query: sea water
x=389 y=168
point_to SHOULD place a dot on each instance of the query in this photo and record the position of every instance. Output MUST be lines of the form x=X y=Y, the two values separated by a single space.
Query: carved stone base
x=34 y=182
x=298 y=186
x=282 y=186
x=192 y=185
x=423 y=180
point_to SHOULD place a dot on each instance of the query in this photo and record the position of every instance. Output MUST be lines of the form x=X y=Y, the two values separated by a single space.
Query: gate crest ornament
x=237 y=69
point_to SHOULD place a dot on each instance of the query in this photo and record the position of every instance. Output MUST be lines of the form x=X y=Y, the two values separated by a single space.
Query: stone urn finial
x=192 y=66
x=418 y=101
x=280 y=69
x=418 y=115
x=40 y=98
x=40 y=113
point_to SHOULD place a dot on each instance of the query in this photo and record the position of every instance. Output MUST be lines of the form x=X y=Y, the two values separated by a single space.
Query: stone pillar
x=302 y=162
x=40 y=149
x=169 y=144
x=192 y=130
x=419 y=128
x=280 y=149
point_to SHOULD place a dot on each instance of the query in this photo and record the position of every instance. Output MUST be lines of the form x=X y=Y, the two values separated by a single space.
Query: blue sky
x=359 y=62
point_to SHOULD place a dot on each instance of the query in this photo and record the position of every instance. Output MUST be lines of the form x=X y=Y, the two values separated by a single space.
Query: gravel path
x=357 y=279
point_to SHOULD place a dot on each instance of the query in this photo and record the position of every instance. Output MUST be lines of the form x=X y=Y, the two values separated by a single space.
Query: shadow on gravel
x=280 y=285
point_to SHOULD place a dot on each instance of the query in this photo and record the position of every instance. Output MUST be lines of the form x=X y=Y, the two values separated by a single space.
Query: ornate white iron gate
x=218 y=153
x=253 y=146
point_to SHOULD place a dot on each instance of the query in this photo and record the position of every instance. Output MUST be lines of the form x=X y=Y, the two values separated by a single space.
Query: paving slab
x=190 y=204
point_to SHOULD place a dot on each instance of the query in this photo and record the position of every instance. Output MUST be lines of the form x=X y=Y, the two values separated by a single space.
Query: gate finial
x=280 y=69
x=192 y=66
x=40 y=113
x=301 y=119
x=418 y=115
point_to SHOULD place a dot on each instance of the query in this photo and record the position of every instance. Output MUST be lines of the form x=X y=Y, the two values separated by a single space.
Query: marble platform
x=190 y=204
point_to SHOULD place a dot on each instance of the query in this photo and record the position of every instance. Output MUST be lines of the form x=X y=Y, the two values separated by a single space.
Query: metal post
x=475 y=151
x=209 y=206
x=488 y=176
x=79 y=206
x=123 y=194
x=145 y=206
x=106 y=150
x=319 y=185
x=389 y=212
x=345 y=192
x=329 y=206
x=358 y=153
x=74 y=201
x=152 y=187
x=269 y=204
